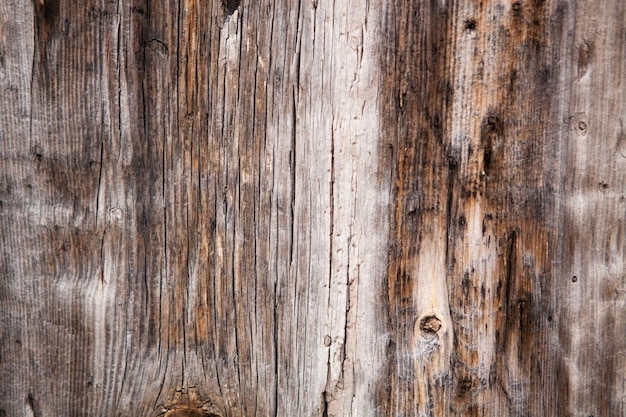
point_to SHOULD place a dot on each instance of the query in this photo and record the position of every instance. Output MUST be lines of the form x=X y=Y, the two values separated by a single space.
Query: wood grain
x=312 y=208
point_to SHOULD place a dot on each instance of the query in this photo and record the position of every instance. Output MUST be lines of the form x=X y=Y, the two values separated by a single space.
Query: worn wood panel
x=312 y=208
x=490 y=91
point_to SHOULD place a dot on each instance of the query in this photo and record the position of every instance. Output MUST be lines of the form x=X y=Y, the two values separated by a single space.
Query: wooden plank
x=312 y=208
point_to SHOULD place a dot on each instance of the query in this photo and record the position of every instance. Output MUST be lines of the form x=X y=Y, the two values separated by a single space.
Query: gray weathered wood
x=312 y=208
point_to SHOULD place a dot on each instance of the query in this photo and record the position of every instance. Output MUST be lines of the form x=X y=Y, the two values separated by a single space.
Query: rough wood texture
x=312 y=208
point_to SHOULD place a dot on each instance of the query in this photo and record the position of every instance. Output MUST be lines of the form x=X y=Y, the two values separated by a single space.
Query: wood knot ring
x=430 y=324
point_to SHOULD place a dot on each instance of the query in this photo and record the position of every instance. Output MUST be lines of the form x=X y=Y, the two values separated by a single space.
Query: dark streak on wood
x=230 y=6
x=47 y=15
x=415 y=98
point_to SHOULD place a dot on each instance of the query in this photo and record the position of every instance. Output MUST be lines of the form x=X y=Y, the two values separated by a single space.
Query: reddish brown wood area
x=322 y=208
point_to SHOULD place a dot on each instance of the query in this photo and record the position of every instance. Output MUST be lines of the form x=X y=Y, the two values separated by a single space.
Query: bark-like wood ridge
x=321 y=208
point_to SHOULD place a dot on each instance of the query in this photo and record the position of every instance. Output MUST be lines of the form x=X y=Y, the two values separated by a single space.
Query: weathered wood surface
x=313 y=208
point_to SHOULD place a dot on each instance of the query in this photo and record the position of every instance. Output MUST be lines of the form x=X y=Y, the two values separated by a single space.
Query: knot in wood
x=430 y=324
x=187 y=403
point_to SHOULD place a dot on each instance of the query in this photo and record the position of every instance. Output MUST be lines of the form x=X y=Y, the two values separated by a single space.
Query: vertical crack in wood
x=508 y=285
x=292 y=171
x=182 y=28
x=33 y=405
x=31 y=86
x=276 y=319
x=163 y=272
x=331 y=199
x=344 y=352
x=451 y=209
x=325 y=401
x=99 y=191
x=102 y=262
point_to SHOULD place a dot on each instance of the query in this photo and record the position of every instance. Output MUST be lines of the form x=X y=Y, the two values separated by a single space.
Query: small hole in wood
x=470 y=24
x=574 y=278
